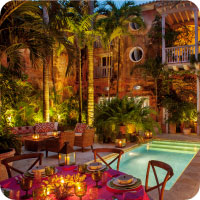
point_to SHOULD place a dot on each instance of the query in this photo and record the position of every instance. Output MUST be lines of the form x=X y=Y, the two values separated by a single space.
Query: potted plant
x=9 y=145
x=111 y=116
x=187 y=128
x=189 y=115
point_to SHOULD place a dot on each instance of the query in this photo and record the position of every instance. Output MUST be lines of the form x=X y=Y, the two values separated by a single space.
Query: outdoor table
x=103 y=193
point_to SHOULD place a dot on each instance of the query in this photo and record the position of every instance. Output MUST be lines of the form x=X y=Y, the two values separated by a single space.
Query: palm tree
x=118 y=19
x=36 y=32
x=20 y=30
x=78 y=25
x=86 y=36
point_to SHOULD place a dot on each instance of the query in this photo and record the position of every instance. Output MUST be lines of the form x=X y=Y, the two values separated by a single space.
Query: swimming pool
x=177 y=154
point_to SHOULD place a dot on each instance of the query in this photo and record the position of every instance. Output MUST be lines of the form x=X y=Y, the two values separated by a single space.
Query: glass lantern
x=120 y=141
x=148 y=134
x=36 y=136
x=66 y=159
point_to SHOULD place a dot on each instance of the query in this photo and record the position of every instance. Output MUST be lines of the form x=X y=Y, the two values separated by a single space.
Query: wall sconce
x=137 y=87
x=106 y=88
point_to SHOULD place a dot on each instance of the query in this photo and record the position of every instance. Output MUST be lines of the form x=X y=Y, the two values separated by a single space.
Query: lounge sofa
x=46 y=128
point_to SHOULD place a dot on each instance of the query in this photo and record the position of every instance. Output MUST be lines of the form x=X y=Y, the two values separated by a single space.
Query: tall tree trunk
x=46 y=62
x=156 y=95
x=80 y=87
x=46 y=89
x=90 y=85
x=118 y=64
x=109 y=71
x=53 y=78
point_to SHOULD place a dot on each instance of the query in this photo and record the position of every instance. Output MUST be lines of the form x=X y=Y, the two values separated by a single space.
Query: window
x=146 y=100
x=103 y=99
x=136 y=54
x=102 y=71
x=105 y=61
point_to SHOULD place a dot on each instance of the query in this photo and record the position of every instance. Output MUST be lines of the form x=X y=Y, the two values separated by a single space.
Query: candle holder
x=120 y=140
x=55 y=133
x=80 y=189
x=96 y=176
x=148 y=134
x=35 y=136
x=82 y=168
x=50 y=170
x=26 y=184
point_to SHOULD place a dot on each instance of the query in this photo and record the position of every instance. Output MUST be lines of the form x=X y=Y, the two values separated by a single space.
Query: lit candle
x=62 y=180
x=80 y=189
x=120 y=143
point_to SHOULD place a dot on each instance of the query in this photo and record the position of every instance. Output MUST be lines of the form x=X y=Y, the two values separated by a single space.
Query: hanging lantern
x=120 y=140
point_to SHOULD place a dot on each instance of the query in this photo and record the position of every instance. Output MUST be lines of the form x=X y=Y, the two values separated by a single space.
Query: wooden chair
x=6 y=162
x=86 y=139
x=164 y=166
x=111 y=150
x=57 y=144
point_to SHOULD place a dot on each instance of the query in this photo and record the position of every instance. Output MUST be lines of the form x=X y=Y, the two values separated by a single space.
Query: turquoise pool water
x=177 y=154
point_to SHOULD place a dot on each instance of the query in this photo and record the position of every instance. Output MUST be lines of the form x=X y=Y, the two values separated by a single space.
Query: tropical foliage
x=114 y=25
x=112 y=114
x=9 y=141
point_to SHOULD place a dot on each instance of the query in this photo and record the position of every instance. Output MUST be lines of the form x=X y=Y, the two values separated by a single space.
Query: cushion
x=23 y=130
x=78 y=134
x=46 y=127
x=80 y=128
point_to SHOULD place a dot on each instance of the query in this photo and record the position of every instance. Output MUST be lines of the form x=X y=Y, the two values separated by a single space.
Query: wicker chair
x=86 y=139
x=57 y=144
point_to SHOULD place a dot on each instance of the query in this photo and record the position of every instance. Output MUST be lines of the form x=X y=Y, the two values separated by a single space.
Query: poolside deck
x=186 y=187
x=188 y=184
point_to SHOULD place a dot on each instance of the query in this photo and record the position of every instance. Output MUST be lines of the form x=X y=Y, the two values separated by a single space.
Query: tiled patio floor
x=186 y=187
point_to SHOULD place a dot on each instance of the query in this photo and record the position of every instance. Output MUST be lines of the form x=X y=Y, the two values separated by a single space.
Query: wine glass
x=96 y=176
x=82 y=168
x=50 y=170
x=26 y=184
x=80 y=189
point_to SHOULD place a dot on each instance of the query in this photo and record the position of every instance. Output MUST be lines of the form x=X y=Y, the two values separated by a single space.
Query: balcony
x=180 y=54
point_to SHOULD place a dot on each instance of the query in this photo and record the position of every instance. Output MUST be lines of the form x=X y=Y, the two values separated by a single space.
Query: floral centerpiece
x=60 y=187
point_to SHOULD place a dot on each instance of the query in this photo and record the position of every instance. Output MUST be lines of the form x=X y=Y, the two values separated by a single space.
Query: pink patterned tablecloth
x=103 y=193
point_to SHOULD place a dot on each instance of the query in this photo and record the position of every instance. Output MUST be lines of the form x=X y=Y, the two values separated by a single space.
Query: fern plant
x=8 y=141
x=117 y=112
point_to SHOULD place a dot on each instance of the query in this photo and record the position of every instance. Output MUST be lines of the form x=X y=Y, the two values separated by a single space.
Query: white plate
x=115 y=182
x=30 y=173
x=92 y=170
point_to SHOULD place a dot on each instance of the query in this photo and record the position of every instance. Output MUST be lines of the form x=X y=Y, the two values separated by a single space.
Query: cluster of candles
x=148 y=134
x=60 y=187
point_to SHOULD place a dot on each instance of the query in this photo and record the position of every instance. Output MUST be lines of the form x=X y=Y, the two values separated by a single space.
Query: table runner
x=103 y=193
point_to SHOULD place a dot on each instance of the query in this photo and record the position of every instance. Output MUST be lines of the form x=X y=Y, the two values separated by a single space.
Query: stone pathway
x=185 y=188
